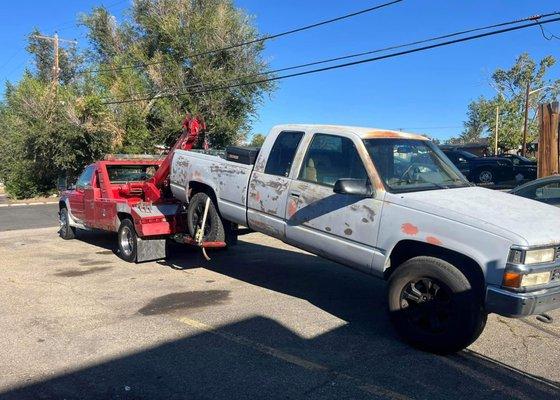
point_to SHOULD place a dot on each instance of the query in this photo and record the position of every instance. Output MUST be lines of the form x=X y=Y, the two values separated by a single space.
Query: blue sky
x=426 y=92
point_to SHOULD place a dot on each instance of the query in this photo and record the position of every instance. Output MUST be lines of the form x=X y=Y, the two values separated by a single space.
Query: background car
x=546 y=190
x=482 y=169
x=525 y=168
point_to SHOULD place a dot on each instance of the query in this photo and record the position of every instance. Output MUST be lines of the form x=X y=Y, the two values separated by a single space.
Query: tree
x=257 y=140
x=171 y=43
x=164 y=53
x=511 y=86
x=47 y=134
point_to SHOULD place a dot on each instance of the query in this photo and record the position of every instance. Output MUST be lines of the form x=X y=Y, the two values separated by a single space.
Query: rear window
x=282 y=154
x=130 y=173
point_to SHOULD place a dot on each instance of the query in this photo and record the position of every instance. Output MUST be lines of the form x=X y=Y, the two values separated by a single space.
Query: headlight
x=532 y=256
x=516 y=280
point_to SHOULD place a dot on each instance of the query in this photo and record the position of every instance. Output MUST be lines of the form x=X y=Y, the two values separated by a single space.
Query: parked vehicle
x=524 y=168
x=482 y=169
x=387 y=203
x=392 y=205
x=130 y=196
x=546 y=190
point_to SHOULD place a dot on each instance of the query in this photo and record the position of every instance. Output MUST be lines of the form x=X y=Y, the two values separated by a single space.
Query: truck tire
x=434 y=307
x=214 y=230
x=485 y=175
x=127 y=241
x=66 y=231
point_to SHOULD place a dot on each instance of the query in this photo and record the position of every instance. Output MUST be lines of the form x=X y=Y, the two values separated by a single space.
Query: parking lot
x=262 y=320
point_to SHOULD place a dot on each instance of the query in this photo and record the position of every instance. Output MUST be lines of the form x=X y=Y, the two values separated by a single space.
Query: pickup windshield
x=407 y=165
x=130 y=173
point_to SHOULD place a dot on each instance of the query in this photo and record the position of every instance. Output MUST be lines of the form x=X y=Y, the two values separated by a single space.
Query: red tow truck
x=130 y=195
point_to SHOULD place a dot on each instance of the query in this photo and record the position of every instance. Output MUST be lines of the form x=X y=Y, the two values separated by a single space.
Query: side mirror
x=462 y=160
x=356 y=187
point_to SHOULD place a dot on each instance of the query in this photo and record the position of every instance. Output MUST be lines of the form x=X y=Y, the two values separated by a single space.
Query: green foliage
x=511 y=86
x=47 y=134
x=50 y=131
x=166 y=40
x=257 y=140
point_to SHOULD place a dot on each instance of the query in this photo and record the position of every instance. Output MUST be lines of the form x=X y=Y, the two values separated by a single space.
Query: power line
x=552 y=35
x=355 y=55
x=348 y=64
x=261 y=39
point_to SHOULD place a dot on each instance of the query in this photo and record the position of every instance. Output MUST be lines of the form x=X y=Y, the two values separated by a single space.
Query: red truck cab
x=110 y=192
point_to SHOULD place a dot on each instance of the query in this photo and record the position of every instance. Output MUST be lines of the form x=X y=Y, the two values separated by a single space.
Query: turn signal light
x=512 y=280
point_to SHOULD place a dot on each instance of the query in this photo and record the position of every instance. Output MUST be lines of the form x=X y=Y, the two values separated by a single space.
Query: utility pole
x=497 y=124
x=55 y=41
x=527 y=93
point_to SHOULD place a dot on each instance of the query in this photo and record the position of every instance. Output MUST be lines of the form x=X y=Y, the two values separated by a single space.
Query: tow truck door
x=91 y=193
x=77 y=206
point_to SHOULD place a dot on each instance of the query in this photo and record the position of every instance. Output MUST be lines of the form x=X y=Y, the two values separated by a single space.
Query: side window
x=548 y=192
x=85 y=179
x=330 y=158
x=282 y=154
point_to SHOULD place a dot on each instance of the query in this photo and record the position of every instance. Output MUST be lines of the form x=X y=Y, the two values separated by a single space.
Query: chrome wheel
x=63 y=221
x=485 y=177
x=126 y=241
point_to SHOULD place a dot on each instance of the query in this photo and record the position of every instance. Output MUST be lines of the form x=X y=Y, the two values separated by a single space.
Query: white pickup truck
x=390 y=204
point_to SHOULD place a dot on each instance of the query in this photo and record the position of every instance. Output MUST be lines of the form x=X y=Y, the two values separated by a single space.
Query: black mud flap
x=150 y=250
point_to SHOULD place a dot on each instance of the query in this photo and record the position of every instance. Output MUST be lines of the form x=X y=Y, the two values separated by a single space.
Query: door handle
x=294 y=194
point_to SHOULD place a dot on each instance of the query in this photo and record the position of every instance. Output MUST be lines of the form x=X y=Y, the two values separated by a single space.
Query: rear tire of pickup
x=66 y=231
x=214 y=228
x=434 y=307
x=127 y=240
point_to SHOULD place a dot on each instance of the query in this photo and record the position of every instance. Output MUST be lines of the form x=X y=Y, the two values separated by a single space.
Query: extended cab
x=392 y=205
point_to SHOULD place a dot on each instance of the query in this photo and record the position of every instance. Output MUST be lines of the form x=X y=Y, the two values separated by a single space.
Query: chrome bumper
x=511 y=304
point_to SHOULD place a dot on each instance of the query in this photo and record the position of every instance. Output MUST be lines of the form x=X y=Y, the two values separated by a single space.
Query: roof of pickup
x=362 y=132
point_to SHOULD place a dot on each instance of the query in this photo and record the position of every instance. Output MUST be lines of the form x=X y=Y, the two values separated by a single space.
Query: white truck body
x=364 y=232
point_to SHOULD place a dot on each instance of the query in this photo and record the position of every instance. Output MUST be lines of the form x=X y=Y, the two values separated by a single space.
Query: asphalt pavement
x=262 y=320
x=19 y=217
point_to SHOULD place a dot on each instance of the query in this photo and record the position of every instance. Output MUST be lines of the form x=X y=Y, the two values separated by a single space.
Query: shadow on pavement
x=258 y=358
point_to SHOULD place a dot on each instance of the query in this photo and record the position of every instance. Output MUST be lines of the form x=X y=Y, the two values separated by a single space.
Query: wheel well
x=197 y=187
x=123 y=216
x=407 y=249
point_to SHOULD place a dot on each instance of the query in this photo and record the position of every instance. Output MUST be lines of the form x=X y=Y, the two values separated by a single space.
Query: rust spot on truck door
x=433 y=240
x=409 y=229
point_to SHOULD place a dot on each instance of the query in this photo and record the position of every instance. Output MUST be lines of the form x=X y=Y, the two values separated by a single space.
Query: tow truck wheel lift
x=155 y=228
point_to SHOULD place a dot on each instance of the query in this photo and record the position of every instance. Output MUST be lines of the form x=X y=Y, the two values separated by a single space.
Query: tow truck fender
x=72 y=221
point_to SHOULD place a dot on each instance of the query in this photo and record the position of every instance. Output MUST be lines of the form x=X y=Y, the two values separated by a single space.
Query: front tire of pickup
x=434 y=307
x=127 y=240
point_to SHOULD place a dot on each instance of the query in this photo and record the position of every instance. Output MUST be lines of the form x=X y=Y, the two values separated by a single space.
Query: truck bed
x=228 y=179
